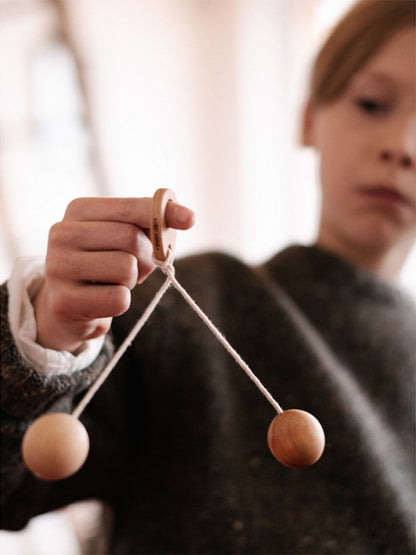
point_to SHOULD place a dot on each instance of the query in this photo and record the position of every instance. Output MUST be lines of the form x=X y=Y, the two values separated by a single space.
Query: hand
x=96 y=255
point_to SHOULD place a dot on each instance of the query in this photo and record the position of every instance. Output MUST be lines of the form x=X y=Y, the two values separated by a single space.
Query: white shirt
x=25 y=280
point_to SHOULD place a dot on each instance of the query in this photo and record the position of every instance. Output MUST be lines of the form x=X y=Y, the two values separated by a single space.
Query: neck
x=385 y=264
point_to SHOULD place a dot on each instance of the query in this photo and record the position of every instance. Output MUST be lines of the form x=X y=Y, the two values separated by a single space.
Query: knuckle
x=132 y=238
x=137 y=242
x=62 y=236
x=73 y=206
x=63 y=304
x=129 y=271
x=56 y=235
x=54 y=231
x=123 y=207
x=53 y=268
x=140 y=264
x=119 y=299
x=146 y=268
x=146 y=263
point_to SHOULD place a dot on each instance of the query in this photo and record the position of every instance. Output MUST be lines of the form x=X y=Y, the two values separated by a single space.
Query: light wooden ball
x=296 y=438
x=55 y=446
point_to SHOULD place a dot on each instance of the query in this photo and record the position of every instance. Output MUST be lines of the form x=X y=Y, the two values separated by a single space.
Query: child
x=178 y=447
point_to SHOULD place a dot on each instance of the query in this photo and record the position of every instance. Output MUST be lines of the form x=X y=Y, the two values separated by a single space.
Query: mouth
x=388 y=196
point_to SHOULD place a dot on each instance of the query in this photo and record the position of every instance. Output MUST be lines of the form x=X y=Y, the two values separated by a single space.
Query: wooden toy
x=296 y=438
x=56 y=445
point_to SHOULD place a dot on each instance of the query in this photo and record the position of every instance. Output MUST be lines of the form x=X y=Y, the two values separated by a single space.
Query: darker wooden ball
x=296 y=438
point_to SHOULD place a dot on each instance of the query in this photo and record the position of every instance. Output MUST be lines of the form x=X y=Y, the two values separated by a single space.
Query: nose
x=399 y=146
x=404 y=159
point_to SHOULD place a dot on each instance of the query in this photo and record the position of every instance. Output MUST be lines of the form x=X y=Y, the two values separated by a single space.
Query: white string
x=168 y=269
x=121 y=350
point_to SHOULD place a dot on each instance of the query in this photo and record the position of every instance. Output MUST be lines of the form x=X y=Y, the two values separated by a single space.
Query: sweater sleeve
x=27 y=276
x=26 y=394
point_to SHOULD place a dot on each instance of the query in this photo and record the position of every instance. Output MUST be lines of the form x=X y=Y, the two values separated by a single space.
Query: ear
x=306 y=134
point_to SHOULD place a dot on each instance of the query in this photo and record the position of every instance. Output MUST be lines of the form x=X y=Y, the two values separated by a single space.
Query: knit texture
x=178 y=432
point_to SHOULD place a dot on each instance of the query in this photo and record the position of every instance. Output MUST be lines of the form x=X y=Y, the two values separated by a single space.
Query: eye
x=371 y=105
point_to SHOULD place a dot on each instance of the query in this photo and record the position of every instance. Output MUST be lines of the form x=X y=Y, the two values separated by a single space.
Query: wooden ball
x=55 y=446
x=296 y=438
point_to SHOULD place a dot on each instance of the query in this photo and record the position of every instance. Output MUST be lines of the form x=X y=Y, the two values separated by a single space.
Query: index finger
x=127 y=210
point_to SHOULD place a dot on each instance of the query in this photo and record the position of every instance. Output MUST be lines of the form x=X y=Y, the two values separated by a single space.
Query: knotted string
x=168 y=269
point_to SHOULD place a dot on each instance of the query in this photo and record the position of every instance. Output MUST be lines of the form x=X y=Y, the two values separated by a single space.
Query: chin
x=383 y=238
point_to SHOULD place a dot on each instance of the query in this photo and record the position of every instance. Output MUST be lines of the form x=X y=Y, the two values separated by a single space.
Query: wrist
x=25 y=282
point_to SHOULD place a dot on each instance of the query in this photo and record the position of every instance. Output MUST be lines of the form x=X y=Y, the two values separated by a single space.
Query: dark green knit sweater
x=178 y=432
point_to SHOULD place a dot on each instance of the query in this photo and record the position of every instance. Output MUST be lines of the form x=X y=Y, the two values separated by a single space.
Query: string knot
x=166 y=265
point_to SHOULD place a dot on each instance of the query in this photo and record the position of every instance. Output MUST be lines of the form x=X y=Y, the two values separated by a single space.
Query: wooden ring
x=162 y=237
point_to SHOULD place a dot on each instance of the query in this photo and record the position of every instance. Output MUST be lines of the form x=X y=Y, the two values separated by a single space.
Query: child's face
x=366 y=142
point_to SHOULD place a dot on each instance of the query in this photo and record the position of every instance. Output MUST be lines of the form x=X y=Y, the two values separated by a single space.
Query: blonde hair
x=359 y=34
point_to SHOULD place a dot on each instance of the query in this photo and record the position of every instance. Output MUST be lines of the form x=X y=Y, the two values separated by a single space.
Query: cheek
x=335 y=148
x=340 y=149
x=335 y=168
x=343 y=159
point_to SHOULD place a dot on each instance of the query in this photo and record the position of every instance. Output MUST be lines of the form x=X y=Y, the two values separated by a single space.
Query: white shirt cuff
x=25 y=280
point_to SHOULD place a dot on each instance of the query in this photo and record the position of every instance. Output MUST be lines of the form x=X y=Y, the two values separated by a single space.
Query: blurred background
x=121 y=97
